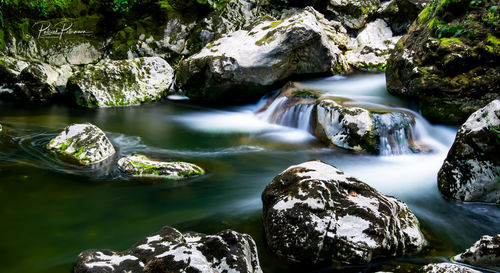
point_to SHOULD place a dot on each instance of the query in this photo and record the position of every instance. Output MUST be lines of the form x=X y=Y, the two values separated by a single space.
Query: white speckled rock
x=372 y=47
x=471 y=171
x=347 y=127
x=121 y=83
x=447 y=268
x=353 y=13
x=171 y=251
x=483 y=253
x=244 y=64
x=141 y=165
x=85 y=143
x=314 y=212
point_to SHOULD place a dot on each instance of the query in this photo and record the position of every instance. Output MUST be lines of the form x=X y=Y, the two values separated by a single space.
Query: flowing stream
x=51 y=210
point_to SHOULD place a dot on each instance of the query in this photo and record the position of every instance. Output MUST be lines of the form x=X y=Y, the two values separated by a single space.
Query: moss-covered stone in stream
x=141 y=165
x=449 y=59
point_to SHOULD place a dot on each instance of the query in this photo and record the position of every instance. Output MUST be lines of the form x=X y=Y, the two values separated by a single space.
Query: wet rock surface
x=471 y=171
x=141 y=165
x=315 y=213
x=121 y=83
x=171 y=251
x=85 y=143
x=483 y=253
x=243 y=65
x=449 y=60
x=447 y=268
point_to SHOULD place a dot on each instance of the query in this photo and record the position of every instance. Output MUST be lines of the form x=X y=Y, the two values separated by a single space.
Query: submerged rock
x=84 y=143
x=171 y=251
x=121 y=83
x=447 y=268
x=353 y=13
x=244 y=64
x=471 y=171
x=483 y=253
x=449 y=59
x=314 y=213
x=141 y=165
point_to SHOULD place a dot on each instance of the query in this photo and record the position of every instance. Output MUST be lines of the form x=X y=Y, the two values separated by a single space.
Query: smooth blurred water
x=51 y=210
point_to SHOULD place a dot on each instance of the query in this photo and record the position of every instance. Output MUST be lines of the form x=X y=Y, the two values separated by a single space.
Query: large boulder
x=121 y=83
x=315 y=213
x=171 y=251
x=483 y=253
x=141 y=165
x=447 y=268
x=84 y=143
x=471 y=171
x=32 y=81
x=245 y=64
x=449 y=59
x=353 y=13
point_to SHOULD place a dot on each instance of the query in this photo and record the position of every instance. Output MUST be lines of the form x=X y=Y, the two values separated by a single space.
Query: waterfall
x=396 y=132
x=284 y=111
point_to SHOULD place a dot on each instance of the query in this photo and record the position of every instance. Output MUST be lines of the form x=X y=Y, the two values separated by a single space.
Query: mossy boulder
x=471 y=171
x=245 y=64
x=353 y=14
x=141 y=165
x=314 y=213
x=449 y=59
x=84 y=143
x=484 y=253
x=121 y=83
x=172 y=251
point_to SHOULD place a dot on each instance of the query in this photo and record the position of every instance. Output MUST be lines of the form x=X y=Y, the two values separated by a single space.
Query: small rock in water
x=471 y=171
x=171 y=251
x=141 y=165
x=84 y=142
x=314 y=213
x=447 y=268
x=484 y=253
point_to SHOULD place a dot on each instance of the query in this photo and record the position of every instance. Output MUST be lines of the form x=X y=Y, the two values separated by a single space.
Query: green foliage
x=122 y=6
x=450 y=30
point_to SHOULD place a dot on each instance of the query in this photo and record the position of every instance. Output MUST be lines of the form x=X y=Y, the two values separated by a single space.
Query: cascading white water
x=396 y=127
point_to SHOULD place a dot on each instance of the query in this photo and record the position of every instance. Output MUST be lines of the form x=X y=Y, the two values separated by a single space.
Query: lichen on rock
x=121 y=83
x=447 y=268
x=447 y=60
x=471 y=171
x=85 y=143
x=245 y=64
x=171 y=251
x=141 y=165
x=483 y=253
x=315 y=213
